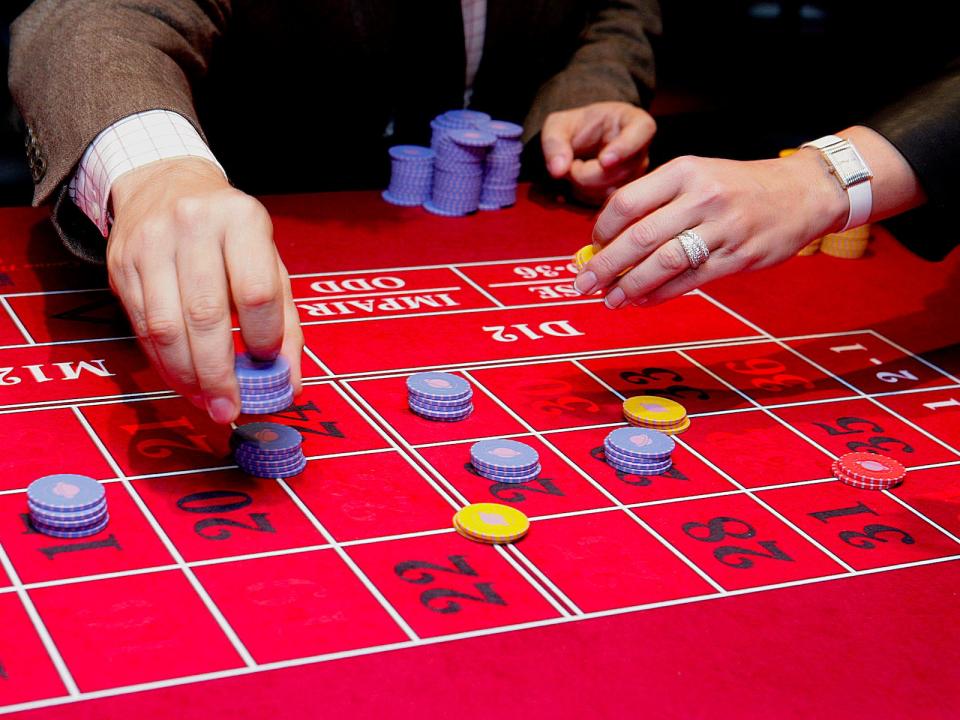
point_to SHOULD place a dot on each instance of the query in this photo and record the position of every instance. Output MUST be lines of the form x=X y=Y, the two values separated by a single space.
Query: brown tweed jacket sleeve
x=78 y=66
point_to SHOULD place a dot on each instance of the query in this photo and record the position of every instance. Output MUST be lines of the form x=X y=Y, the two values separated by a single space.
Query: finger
x=713 y=268
x=637 y=242
x=632 y=139
x=292 y=348
x=591 y=174
x=165 y=331
x=204 y=297
x=555 y=139
x=255 y=281
x=663 y=265
x=636 y=200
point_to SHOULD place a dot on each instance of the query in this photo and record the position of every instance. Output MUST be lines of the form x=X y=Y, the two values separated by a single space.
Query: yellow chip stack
x=491 y=523
x=656 y=413
x=850 y=244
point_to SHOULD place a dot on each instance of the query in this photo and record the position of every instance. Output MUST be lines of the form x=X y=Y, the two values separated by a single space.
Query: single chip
x=411 y=153
x=503 y=129
x=583 y=256
x=491 y=522
x=653 y=411
x=65 y=492
x=869 y=471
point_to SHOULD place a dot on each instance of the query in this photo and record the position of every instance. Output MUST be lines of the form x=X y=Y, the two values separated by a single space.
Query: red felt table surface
x=744 y=582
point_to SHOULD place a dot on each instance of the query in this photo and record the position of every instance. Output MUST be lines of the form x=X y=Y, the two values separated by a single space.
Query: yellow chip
x=583 y=256
x=787 y=152
x=810 y=249
x=491 y=522
x=653 y=411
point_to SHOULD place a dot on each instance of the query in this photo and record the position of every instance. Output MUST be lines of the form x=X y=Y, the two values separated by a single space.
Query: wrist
x=826 y=202
x=181 y=171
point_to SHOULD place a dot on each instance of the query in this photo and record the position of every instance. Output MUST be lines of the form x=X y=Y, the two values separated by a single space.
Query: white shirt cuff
x=130 y=143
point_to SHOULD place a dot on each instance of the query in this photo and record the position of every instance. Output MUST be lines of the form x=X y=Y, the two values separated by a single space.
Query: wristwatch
x=847 y=165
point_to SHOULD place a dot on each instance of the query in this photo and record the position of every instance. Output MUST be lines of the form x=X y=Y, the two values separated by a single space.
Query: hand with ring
x=697 y=219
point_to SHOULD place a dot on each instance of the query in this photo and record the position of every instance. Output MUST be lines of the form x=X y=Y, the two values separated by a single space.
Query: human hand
x=597 y=147
x=184 y=244
x=750 y=215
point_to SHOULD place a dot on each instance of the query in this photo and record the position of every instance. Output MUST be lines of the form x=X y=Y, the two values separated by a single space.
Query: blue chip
x=640 y=468
x=52 y=517
x=267 y=436
x=250 y=407
x=640 y=443
x=252 y=372
x=504 y=129
x=532 y=474
x=66 y=492
x=73 y=533
x=470 y=117
x=411 y=152
x=441 y=405
x=454 y=416
x=61 y=523
x=438 y=386
x=499 y=472
x=295 y=469
x=503 y=454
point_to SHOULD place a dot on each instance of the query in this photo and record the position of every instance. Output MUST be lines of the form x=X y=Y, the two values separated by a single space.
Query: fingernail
x=608 y=158
x=586 y=283
x=556 y=166
x=221 y=409
x=615 y=298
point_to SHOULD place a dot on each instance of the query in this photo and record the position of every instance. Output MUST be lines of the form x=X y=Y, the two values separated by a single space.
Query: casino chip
x=270 y=450
x=638 y=451
x=585 y=255
x=439 y=396
x=650 y=411
x=67 y=506
x=506 y=461
x=491 y=523
x=473 y=163
x=264 y=385
x=869 y=471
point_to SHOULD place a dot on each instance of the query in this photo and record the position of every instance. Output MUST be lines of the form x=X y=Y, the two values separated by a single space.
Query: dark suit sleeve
x=78 y=66
x=925 y=127
x=614 y=61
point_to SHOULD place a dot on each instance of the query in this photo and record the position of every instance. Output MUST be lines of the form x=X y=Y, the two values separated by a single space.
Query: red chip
x=869 y=471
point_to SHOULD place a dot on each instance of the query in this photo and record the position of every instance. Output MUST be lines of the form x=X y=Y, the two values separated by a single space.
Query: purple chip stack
x=502 y=166
x=411 y=175
x=458 y=171
x=455 y=120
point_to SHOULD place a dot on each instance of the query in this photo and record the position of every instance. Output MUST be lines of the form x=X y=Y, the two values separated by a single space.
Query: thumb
x=632 y=138
x=555 y=139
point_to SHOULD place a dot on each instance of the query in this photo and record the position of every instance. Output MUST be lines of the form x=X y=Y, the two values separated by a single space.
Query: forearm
x=614 y=62
x=78 y=66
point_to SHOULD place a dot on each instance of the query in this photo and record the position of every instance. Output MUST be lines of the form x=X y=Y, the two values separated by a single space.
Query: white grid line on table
x=442 y=639
x=480 y=365
x=39 y=627
x=529 y=283
x=454 y=497
x=476 y=286
x=862 y=396
x=836 y=377
x=729 y=478
x=15 y=319
x=228 y=559
x=599 y=487
x=171 y=548
x=915 y=356
x=350 y=562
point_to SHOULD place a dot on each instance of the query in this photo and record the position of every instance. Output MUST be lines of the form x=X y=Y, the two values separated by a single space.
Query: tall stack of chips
x=505 y=461
x=264 y=386
x=491 y=523
x=268 y=450
x=411 y=175
x=869 y=471
x=650 y=411
x=458 y=171
x=502 y=166
x=440 y=396
x=67 y=506
x=639 y=451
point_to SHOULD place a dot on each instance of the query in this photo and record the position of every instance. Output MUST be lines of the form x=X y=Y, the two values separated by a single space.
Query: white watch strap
x=859 y=195
x=861 y=205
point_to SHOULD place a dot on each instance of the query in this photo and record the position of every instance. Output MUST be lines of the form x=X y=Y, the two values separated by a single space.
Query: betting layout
x=739 y=495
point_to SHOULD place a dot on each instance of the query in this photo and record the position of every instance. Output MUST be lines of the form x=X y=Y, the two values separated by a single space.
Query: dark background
x=735 y=79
